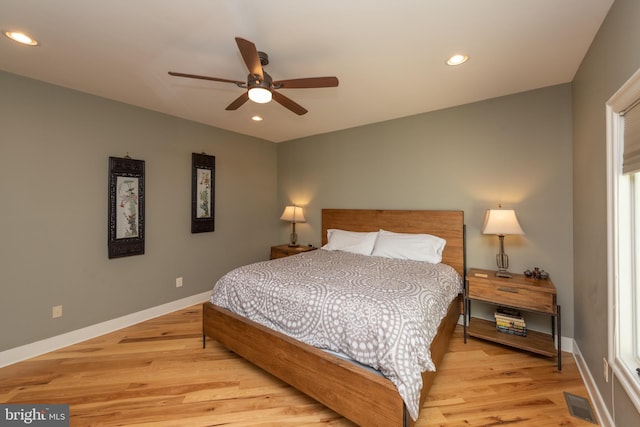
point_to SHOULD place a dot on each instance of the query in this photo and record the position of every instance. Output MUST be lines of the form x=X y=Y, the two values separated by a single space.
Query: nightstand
x=281 y=251
x=522 y=294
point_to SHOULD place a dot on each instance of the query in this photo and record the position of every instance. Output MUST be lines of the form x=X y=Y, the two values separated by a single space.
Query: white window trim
x=624 y=97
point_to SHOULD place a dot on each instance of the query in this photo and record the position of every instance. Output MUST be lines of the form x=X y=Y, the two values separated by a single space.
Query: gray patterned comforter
x=381 y=312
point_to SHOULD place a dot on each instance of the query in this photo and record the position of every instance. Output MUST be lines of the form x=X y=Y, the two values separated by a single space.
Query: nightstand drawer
x=513 y=296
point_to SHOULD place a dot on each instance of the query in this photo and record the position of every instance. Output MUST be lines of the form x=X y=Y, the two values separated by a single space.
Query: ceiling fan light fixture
x=260 y=95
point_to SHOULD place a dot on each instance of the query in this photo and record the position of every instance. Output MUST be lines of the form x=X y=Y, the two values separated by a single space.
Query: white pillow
x=417 y=247
x=350 y=241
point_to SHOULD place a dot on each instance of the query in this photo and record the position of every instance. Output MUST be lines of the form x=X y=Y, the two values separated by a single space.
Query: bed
x=361 y=395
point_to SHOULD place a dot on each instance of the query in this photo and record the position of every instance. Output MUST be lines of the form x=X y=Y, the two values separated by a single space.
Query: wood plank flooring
x=157 y=374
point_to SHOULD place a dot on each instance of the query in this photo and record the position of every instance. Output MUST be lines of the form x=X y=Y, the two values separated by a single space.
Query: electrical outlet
x=178 y=282
x=56 y=311
x=605 y=369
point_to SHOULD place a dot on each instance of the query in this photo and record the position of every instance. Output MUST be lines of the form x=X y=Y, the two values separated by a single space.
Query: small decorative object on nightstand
x=537 y=274
x=282 y=251
x=293 y=214
x=501 y=222
x=520 y=293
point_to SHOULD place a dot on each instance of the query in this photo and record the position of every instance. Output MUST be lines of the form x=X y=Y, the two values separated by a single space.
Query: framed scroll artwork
x=126 y=207
x=202 y=192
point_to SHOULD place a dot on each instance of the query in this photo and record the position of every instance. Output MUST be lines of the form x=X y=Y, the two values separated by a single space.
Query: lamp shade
x=501 y=222
x=293 y=214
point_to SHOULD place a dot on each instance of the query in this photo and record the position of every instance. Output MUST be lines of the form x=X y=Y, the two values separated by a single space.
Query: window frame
x=620 y=249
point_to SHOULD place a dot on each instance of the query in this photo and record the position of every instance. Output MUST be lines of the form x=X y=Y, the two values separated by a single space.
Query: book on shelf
x=522 y=333
x=508 y=312
x=510 y=324
x=510 y=321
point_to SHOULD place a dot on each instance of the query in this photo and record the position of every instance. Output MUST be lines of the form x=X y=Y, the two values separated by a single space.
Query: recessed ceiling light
x=21 y=38
x=457 y=59
x=257 y=118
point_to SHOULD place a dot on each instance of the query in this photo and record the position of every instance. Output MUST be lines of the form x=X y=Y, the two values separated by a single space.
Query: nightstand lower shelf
x=535 y=342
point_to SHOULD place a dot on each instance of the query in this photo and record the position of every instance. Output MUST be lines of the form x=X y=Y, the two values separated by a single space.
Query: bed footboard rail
x=361 y=396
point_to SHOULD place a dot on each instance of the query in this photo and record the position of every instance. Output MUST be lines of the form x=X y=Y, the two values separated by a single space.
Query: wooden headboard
x=448 y=225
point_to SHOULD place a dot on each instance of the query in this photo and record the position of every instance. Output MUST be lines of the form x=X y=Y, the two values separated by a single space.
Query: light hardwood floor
x=157 y=374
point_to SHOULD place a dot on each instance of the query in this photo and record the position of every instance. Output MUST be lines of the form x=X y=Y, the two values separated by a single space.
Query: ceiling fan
x=261 y=88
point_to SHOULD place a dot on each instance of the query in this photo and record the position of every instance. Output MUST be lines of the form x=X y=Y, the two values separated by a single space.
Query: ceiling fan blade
x=311 y=82
x=215 y=79
x=288 y=103
x=250 y=56
x=238 y=102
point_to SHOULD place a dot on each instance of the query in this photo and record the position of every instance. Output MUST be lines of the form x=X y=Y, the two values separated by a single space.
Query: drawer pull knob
x=513 y=291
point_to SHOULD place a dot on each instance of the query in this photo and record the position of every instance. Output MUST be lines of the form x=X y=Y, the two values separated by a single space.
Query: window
x=623 y=200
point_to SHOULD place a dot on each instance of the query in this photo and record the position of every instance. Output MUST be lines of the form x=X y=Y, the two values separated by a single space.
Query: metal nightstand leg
x=559 y=339
x=466 y=306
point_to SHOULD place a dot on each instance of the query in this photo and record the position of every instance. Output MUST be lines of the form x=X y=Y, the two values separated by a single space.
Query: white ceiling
x=389 y=56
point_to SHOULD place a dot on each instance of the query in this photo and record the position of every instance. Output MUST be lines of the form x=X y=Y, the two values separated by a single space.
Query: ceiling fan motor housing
x=255 y=81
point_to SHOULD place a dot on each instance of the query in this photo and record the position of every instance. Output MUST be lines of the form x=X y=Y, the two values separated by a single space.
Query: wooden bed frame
x=362 y=396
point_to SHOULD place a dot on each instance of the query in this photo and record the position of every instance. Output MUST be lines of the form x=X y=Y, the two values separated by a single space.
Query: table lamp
x=501 y=222
x=293 y=214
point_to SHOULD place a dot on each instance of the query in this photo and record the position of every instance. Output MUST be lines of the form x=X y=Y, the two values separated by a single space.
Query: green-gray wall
x=613 y=57
x=54 y=150
x=514 y=151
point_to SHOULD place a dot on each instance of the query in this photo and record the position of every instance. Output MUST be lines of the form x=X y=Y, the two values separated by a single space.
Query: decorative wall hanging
x=126 y=207
x=202 y=192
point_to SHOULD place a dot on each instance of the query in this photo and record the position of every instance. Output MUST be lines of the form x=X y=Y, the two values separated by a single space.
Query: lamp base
x=502 y=260
x=293 y=237
x=503 y=273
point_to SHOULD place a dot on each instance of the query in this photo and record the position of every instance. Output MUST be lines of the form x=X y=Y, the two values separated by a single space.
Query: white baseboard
x=599 y=406
x=37 y=348
x=567 y=344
